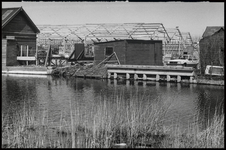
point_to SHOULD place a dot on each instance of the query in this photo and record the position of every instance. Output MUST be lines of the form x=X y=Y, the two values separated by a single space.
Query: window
x=25 y=51
x=108 y=51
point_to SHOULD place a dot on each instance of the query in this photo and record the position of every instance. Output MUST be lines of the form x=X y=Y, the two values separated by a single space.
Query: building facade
x=18 y=37
x=212 y=48
x=130 y=52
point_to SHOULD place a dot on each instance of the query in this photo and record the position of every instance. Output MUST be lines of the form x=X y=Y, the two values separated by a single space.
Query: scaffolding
x=179 y=41
x=174 y=42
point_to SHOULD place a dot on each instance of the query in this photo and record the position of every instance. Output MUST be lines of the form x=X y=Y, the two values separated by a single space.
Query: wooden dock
x=156 y=73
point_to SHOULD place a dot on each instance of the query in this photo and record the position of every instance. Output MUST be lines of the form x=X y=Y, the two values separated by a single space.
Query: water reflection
x=56 y=95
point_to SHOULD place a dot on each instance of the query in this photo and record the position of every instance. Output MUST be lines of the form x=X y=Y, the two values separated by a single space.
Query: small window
x=23 y=50
x=108 y=51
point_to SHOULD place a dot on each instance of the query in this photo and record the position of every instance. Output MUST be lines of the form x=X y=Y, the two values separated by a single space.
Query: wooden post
x=191 y=79
x=21 y=50
x=47 y=56
x=127 y=76
x=168 y=78
x=27 y=50
x=178 y=78
x=27 y=54
x=115 y=75
x=157 y=77
x=135 y=76
x=36 y=54
x=144 y=77
x=109 y=75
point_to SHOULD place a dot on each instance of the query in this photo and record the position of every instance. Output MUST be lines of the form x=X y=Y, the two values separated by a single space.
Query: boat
x=214 y=70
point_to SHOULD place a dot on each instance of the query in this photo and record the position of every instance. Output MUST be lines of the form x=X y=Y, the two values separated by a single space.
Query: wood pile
x=92 y=71
x=80 y=70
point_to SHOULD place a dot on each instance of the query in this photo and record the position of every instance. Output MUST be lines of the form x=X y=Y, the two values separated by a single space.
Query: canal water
x=185 y=103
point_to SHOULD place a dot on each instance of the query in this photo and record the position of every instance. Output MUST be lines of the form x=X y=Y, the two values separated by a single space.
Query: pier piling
x=156 y=73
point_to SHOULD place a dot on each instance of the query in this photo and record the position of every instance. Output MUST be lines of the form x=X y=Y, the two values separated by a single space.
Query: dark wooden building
x=130 y=52
x=79 y=53
x=18 y=37
x=212 y=47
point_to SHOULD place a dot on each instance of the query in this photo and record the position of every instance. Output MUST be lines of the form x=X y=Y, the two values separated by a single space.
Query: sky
x=191 y=17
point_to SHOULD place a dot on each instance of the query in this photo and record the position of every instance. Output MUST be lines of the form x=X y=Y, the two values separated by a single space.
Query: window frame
x=105 y=51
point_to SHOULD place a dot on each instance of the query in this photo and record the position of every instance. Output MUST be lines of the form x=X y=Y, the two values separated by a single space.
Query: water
x=57 y=96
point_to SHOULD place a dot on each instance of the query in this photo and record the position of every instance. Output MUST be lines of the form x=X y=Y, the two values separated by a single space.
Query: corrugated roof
x=210 y=30
x=9 y=13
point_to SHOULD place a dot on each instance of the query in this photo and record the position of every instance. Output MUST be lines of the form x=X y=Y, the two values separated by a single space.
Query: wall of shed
x=212 y=50
x=132 y=53
x=144 y=54
x=119 y=49
x=11 y=48
x=139 y=54
x=23 y=33
x=158 y=54
x=11 y=53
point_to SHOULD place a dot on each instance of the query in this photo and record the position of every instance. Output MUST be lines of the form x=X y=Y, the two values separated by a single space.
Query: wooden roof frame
x=105 y=31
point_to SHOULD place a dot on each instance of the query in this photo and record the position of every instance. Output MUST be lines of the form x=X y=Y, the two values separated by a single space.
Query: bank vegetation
x=107 y=122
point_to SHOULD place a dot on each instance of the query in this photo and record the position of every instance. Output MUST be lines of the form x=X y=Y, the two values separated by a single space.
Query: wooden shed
x=18 y=37
x=212 y=47
x=130 y=52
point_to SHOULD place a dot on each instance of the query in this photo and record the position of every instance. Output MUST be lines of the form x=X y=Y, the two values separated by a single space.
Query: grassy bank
x=103 y=123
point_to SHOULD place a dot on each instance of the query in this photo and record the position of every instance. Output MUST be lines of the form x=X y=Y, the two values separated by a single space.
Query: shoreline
x=86 y=72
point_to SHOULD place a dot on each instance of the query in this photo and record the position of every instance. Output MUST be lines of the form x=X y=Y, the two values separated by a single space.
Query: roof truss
x=104 y=32
x=173 y=40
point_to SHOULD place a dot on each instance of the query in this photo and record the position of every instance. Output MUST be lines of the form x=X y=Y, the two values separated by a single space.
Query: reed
x=102 y=123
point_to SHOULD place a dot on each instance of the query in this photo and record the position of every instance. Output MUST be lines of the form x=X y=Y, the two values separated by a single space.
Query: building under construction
x=65 y=37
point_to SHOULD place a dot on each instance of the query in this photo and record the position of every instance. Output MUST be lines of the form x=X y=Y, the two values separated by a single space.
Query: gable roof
x=9 y=13
x=210 y=30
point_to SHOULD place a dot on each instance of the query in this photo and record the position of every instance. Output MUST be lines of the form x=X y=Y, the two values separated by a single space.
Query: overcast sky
x=190 y=17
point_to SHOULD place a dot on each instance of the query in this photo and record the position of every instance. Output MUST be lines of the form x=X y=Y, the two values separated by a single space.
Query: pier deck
x=157 y=73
